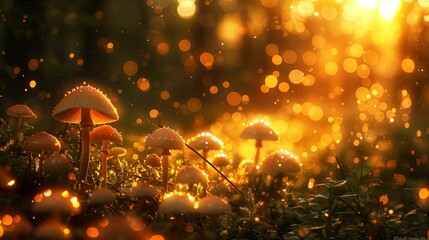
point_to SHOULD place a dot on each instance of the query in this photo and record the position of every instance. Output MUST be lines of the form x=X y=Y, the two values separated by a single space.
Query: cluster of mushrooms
x=92 y=110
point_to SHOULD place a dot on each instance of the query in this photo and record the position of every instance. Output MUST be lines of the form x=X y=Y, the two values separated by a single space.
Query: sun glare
x=386 y=8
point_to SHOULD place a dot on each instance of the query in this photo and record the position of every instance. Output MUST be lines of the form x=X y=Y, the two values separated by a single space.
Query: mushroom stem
x=258 y=146
x=104 y=163
x=205 y=154
x=86 y=123
x=164 y=159
x=18 y=126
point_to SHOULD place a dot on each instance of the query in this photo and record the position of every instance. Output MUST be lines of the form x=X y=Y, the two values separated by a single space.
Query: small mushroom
x=212 y=205
x=56 y=165
x=176 y=204
x=259 y=130
x=101 y=196
x=41 y=142
x=154 y=161
x=166 y=139
x=281 y=162
x=116 y=153
x=52 y=229
x=86 y=106
x=144 y=190
x=20 y=111
x=221 y=160
x=206 y=142
x=192 y=176
x=105 y=134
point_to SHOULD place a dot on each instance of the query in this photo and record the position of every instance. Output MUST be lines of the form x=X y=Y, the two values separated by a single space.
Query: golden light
x=423 y=193
x=186 y=9
x=11 y=183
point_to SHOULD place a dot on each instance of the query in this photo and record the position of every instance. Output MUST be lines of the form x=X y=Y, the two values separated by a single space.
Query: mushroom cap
x=55 y=201
x=281 y=162
x=42 y=141
x=153 y=160
x=176 y=204
x=144 y=190
x=69 y=109
x=117 y=152
x=205 y=141
x=192 y=175
x=57 y=164
x=50 y=229
x=118 y=227
x=165 y=138
x=20 y=110
x=101 y=196
x=259 y=130
x=106 y=132
x=220 y=160
x=222 y=189
x=213 y=205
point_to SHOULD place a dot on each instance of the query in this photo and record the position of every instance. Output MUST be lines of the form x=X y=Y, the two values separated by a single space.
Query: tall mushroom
x=87 y=106
x=105 y=134
x=259 y=130
x=20 y=111
x=166 y=139
x=205 y=141
x=192 y=176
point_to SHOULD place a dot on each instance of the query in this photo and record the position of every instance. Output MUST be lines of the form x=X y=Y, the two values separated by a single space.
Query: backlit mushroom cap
x=220 y=160
x=57 y=164
x=259 y=130
x=41 y=141
x=51 y=229
x=69 y=108
x=153 y=160
x=117 y=152
x=144 y=190
x=205 y=141
x=281 y=162
x=20 y=110
x=105 y=132
x=101 y=196
x=192 y=175
x=56 y=201
x=176 y=204
x=165 y=138
x=213 y=205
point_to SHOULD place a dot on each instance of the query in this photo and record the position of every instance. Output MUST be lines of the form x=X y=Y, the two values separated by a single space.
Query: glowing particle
x=213 y=89
x=32 y=84
x=163 y=48
x=153 y=113
x=184 y=45
x=408 y=65
x=423 y=193
x=296 y=76
x=271 y=49
x=271 y=81
x=143 y=84
x=130 y=68
x=33 y=64
x=233 y=98
x=186 y=9
x=92 y=232
x=194 y=105
x=290 y=56
x=284 y=87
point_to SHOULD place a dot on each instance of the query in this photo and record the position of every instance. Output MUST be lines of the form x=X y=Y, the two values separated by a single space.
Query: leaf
x=340 y=183
x=349 y=195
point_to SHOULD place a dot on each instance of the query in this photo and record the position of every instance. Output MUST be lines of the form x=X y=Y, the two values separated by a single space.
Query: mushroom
x=144 y=190
x=166 y=139
x=191 y=175
x=176 y=204
x=281 y=162
x=105 y=134
x=153 y=161
x=116 y=153
x=221 y=160
x=205 y=141
x=101 y=196
x=87 y=106
x=56 y=165
x=56 y=202
x=51 y=229
x=41 y=142
x=212 y=205
x=259 y=130
x=20 y=111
